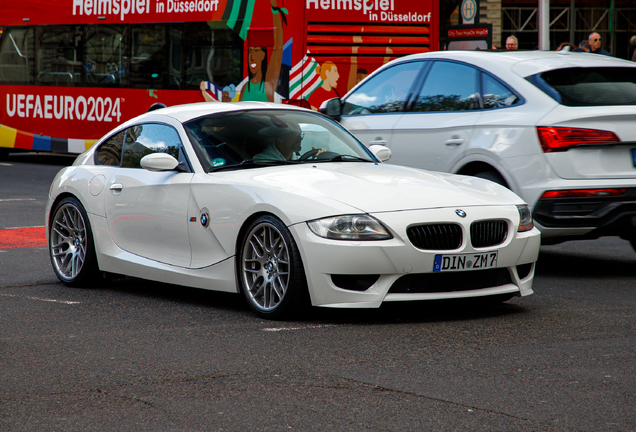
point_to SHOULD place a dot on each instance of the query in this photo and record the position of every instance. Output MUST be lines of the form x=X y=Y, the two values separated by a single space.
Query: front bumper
x=394 y=270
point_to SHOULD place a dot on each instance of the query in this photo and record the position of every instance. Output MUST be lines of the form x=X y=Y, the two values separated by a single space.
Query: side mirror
x=381 y=152
x=332 y=108
x=159 y=162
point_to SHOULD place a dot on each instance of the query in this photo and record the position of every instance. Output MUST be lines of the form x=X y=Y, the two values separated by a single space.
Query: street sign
x=469 y=11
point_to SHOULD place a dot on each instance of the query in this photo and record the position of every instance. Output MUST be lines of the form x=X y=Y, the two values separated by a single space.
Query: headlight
x=349 y=227
x=525 y=218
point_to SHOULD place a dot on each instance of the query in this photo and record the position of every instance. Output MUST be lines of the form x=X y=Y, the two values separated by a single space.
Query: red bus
x=71 y=70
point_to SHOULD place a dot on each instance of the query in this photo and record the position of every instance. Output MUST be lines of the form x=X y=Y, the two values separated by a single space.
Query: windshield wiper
x=347 y=158
x=250 y=164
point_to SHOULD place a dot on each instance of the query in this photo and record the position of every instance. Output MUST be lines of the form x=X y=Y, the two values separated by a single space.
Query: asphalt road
x=143 y=356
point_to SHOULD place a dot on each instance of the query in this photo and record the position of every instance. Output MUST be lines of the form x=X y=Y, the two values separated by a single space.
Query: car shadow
x=159 y=291
x=388 y=313
x=581 y=266
x=428 y=311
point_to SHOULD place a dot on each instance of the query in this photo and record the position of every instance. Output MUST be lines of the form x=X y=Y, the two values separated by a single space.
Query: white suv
x=558 y=128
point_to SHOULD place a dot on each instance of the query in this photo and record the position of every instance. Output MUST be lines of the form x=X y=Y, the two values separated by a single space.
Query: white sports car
x=285 y=206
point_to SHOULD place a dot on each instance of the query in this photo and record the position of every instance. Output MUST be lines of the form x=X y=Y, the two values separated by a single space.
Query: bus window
x=149 y=62
x=59 y=60
x=106 y=56
x=214 y=55
x=176 y=51
x=16 y=56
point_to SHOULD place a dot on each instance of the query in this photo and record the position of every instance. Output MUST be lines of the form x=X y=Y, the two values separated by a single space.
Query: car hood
x=375 y=188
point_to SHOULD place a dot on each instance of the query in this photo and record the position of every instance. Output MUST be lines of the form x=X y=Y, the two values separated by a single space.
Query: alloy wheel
x=68 y=241
x=266 y=267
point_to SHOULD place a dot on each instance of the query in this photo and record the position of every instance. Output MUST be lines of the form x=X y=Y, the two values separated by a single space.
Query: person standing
x=512 y=43
x=584 y=46
x=595 y=44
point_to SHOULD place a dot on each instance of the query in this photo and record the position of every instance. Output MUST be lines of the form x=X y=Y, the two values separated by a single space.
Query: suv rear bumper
x=588 y=218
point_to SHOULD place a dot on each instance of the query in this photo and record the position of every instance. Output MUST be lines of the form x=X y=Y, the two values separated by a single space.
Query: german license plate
x=634 y=156
x=463 y=262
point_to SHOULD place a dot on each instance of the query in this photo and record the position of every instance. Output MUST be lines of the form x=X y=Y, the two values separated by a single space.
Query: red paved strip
x=22 y=237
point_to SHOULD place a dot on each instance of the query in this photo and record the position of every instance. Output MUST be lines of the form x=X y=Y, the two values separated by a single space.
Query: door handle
x=116 y=187
x=454 y=142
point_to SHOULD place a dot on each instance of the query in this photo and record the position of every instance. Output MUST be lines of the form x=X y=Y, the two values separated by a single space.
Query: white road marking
x=17 y=199
x=42 y=299
x=277 y=329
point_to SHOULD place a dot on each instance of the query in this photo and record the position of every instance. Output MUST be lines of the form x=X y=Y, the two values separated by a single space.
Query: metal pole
x=612 y=30
x=544 y=25
x=573 y=23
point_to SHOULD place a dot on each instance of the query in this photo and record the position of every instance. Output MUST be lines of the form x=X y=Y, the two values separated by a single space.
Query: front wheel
x=71 y=244
x=270 y=272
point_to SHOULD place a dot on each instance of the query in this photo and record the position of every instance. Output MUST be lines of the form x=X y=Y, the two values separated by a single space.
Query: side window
x=106 y=55
x=17 y=61
x=142 y=140
x=495 y=94
x=150 y=54
x=212 y=54
x=448 y=87
x=59 y=58
x=109 y=153
x=384 y=93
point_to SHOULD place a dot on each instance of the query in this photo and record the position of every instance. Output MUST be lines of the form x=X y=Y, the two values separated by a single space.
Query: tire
x=492 y=176
x=71 y=245
x=270 y=270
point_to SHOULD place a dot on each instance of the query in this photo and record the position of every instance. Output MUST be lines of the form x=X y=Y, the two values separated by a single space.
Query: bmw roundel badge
x=460 y=213
x=205 y=219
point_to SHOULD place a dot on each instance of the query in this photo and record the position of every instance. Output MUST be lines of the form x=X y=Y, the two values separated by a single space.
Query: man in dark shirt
x=595 y=44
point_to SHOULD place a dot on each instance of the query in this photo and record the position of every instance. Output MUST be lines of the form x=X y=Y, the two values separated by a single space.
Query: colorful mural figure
x=329 y=75
x=263 y=72
x=306 y=80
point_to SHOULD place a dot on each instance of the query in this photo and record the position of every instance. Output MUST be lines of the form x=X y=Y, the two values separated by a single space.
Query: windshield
x=599 y=86
x=253 y=138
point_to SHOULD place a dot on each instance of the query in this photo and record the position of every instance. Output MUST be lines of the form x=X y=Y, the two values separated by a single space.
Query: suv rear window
x=589 y=86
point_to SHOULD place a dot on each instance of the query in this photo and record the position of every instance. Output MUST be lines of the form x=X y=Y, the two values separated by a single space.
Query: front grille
x=488 y=233
x=435 y=236
x=428 y=283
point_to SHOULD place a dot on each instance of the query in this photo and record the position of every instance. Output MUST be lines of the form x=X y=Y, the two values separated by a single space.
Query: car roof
x=186 y=112
x=525 y=63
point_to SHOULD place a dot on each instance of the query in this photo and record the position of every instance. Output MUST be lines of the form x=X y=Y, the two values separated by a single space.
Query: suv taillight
x=584 y=193
x=559 y=139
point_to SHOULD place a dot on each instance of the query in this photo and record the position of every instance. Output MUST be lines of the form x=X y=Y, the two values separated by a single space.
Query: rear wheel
x=71 y=244
x=271 y=273
x=493 y=176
